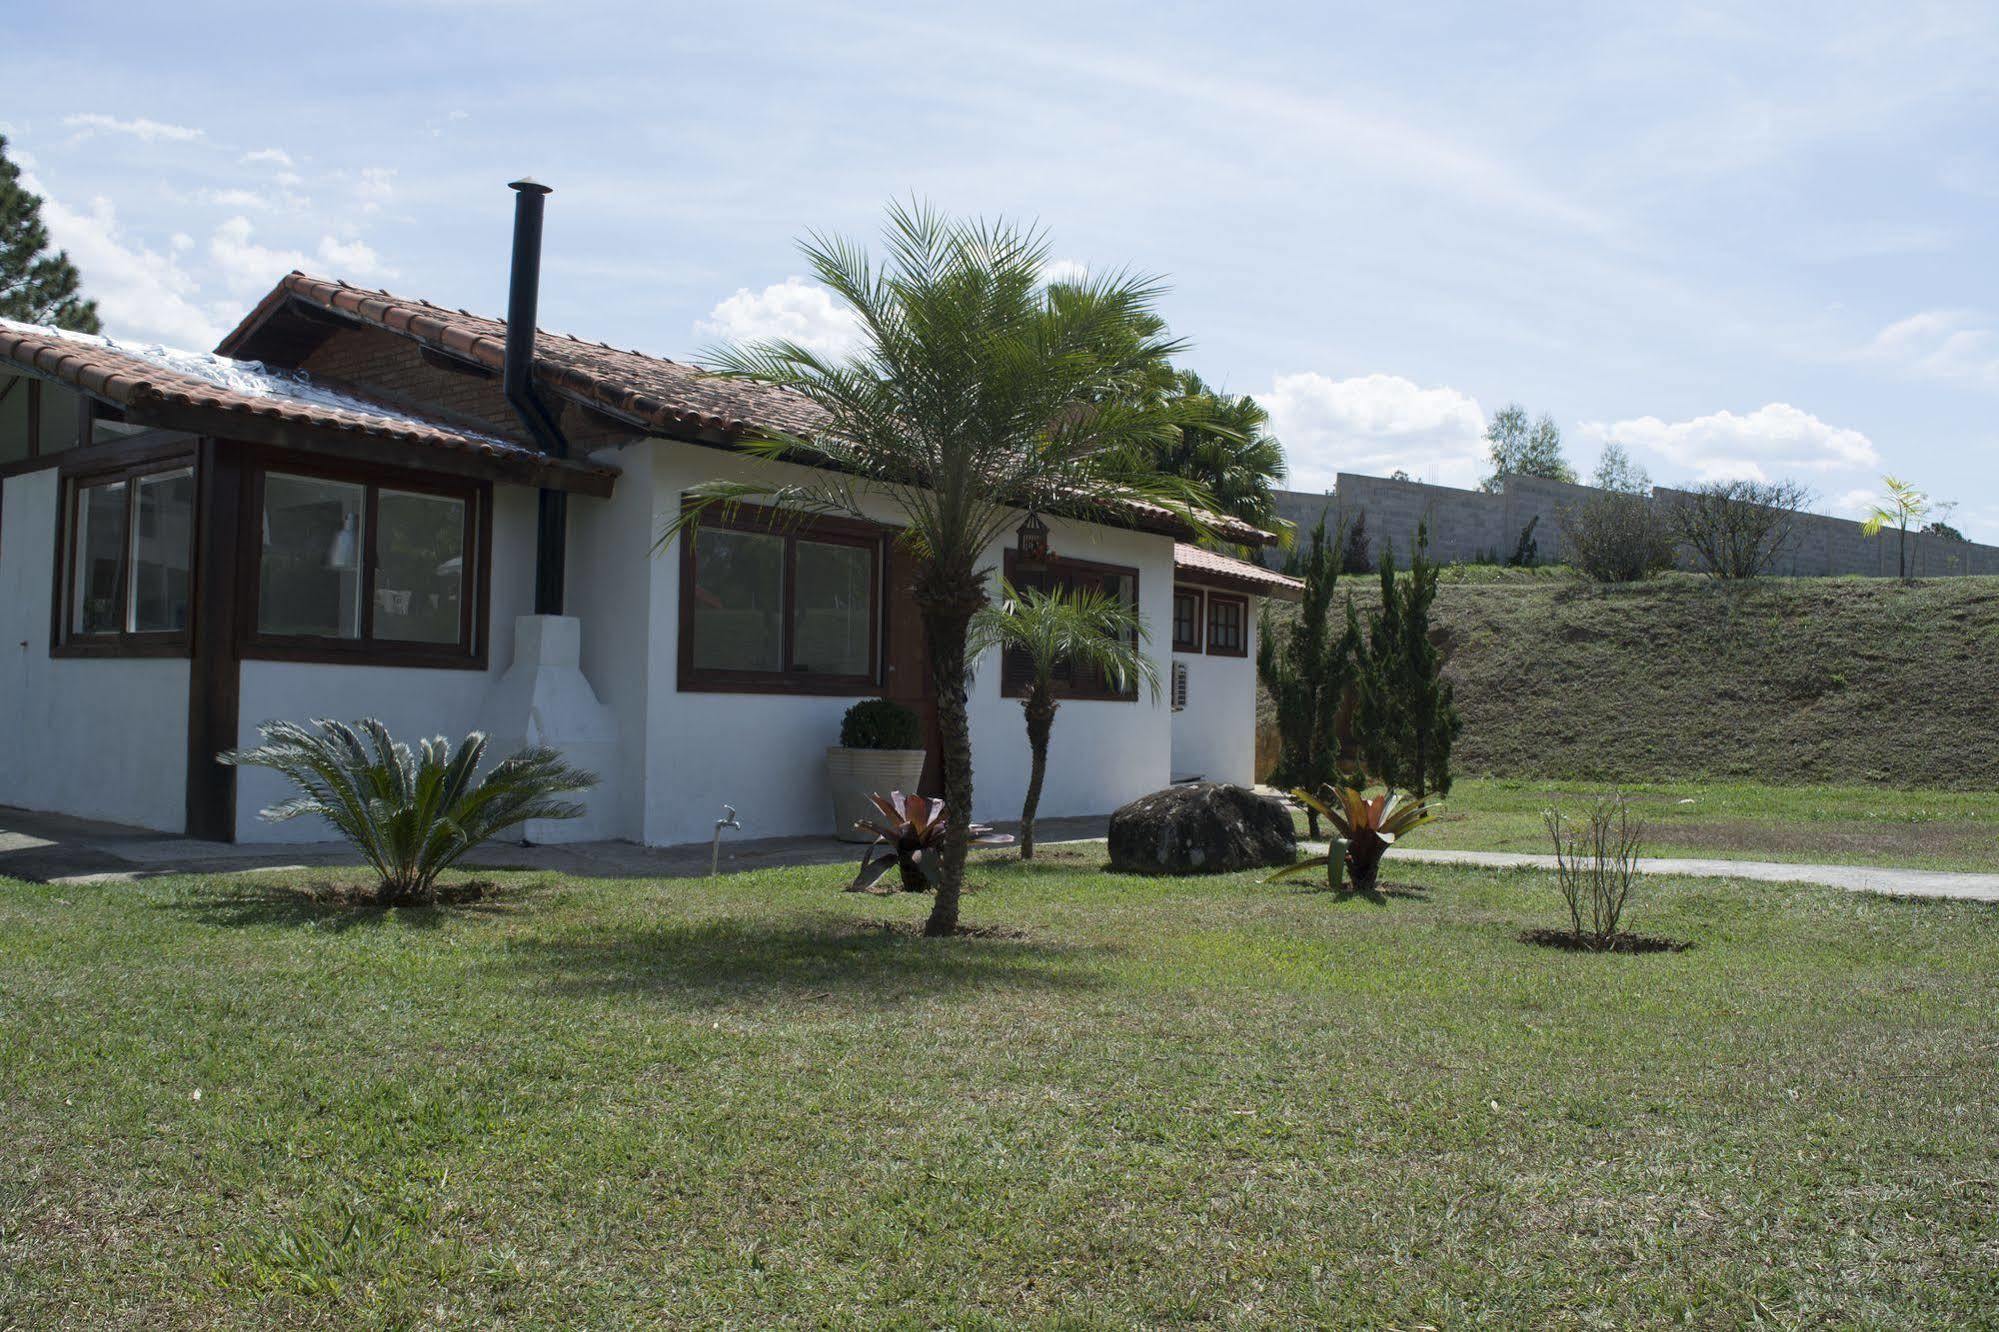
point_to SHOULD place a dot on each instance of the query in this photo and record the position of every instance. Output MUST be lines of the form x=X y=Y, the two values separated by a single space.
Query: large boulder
x=1202 y=828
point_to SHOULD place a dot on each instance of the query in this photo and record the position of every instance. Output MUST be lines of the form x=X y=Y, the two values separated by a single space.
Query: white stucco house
x=362 y=505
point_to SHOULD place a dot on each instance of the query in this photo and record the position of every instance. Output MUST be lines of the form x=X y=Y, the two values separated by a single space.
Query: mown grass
x=1830 y=825
x=1164 y=1103
x=1849 y=682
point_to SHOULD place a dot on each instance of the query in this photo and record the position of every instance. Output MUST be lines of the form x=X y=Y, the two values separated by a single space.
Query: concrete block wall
x=1473 y=525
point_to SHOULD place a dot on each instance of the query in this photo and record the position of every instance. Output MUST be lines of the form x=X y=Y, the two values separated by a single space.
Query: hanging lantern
x=1033 y=542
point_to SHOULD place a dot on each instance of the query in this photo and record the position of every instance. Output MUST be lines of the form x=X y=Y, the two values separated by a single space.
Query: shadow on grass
x=338 y=905
x=818 y=957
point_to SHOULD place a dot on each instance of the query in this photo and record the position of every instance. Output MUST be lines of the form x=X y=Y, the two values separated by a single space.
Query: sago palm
x=1089 y=630
x=410 y=814
x=979 y=391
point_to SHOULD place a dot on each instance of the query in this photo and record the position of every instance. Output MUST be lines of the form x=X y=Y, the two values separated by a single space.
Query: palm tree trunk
x=944 y=625
x=1040 y=710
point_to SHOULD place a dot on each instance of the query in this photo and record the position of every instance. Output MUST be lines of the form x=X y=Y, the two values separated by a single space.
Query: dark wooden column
x=214 y=673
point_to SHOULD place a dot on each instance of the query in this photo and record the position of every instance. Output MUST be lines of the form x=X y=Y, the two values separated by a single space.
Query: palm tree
x=1089 y=630
x=979 y=391
x=1905 y=505
x=1234 y=456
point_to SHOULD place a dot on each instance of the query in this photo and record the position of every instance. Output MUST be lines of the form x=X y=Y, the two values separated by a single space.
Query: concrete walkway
x=1853 y=878
x=53 y=848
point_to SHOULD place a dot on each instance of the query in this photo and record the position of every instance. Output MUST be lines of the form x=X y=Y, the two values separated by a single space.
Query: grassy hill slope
x=1851 y=681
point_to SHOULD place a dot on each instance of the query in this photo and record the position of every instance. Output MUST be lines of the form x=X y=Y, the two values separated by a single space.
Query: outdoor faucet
x=728 y=820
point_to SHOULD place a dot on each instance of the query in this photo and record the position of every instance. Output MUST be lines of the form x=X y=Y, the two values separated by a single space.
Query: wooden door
x=906 y=678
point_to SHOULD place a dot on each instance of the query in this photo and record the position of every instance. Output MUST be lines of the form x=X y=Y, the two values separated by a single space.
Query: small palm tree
x=409 y=814
x=980 y=390
x=1905 y=505
x=1085 y=628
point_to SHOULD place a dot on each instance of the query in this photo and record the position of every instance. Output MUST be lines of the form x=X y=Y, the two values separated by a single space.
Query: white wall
x=611 y=568
x=1215 y=736
x=415 y=703
x=765 y=753
x=98 y=739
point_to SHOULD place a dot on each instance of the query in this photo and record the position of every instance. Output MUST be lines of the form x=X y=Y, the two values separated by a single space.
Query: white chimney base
x=543 y=699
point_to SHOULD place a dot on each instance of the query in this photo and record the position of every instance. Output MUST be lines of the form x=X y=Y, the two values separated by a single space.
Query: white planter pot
x=856 y=774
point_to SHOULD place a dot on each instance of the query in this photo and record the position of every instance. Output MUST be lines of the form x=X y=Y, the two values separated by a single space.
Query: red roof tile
x=145 y=381
x=1203 y=565
x=656 y=393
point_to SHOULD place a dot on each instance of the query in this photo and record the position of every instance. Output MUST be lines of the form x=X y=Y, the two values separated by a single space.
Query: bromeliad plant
x=1365 y=828
x=912 y=828
x=410 y=814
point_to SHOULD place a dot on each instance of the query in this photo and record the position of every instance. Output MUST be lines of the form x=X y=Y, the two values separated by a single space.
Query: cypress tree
x=1379 y=719
x=35 y=287
x=1307 y=674
x=1431 y=716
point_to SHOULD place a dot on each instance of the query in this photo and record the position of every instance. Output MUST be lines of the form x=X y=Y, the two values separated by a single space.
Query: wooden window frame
x=1241 y=603
x=792 y=528
x=1199 y=623
x=1095 y=692
x=475 y=606
x=132 y=465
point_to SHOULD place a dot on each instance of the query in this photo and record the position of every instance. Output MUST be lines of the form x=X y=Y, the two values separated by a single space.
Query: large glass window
x=383 y=571
x=420 y=567
x=309 y=583
x=129 y=556
x=781 y=604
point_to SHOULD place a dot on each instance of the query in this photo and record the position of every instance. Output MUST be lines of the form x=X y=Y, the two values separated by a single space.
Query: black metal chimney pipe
x=517 y=382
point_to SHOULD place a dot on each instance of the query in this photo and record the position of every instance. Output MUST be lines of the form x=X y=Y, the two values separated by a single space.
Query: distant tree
x=1736 y=529
x=36 y=287
x=1616 y=471
x=1308 y=673
x=1354 y=556
x=1399 y=474
x=1405 y=718
x=1941 y=528
x=1231 y=452
x=1526 y=547
x=1516 y=448
x=1617 y=537
x=1901 y=506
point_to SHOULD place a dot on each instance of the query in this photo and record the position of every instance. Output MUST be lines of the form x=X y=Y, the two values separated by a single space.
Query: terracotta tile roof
x=152 y=381
x=658 y=394
x=1203 y=565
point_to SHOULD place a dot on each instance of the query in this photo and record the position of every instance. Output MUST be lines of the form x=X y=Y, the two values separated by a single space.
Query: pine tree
x=1307 y=674
x=1354 y=558
x=1404 y=716
x=35 y=287
x=1431 y=716
x=1378 y=715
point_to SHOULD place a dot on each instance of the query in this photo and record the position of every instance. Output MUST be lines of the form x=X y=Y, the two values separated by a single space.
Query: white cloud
x=375 y=187
x=274 y=156
x=1373 y=424
x=249 y=268
x=793 y=309
x=1939 y=344
x=1775 y=440
x=238 y=199
x=139 y=292
x=1064 y=270
x=150 y=131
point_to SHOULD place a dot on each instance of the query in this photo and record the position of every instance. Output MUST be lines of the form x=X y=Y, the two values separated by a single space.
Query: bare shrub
x=1613 y=537
x=1736 y=529
x=1596 y=855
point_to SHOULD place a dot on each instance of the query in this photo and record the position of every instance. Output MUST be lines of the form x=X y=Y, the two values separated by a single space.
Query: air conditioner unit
x=1179 y=686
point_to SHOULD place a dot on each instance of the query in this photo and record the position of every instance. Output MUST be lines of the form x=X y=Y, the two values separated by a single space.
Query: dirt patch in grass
x=1621 y=942
x=914 y=929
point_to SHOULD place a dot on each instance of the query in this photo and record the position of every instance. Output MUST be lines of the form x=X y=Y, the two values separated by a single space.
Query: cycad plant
x=410 y=814
x=1091 y=631
x=1367 y=828
x=980 y=390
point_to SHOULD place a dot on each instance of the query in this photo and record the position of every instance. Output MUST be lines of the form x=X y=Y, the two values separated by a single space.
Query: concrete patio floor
x=53 y=848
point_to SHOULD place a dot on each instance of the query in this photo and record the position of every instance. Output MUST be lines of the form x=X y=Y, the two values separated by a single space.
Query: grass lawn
x=1948 y=830
x=1159 y=1103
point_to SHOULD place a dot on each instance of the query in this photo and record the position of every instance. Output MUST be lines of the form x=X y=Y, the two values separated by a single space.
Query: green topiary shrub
x=876 y=723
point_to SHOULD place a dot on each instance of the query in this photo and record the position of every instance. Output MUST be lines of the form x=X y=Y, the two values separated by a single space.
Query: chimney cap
x=528 y=184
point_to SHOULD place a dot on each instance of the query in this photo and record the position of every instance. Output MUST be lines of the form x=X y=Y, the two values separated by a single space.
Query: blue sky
x=1737 y=239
